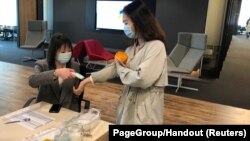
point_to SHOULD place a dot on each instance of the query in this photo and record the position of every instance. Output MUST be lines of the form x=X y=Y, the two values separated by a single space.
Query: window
x=8 y=12
x=108 y=14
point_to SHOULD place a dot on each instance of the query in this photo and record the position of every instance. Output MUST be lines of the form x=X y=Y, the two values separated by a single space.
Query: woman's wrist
x=84 y=83
x=91 y=79
x=54 y=73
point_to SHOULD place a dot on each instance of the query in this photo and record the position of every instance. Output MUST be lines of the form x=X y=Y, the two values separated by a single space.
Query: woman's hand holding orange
x=121 y=58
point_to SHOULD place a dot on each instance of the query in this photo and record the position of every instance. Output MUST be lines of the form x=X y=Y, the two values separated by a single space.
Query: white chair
x=35 y=37
x=185 y=56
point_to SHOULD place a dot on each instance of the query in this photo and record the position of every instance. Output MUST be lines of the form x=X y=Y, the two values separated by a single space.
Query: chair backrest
x=79 y=51
x=36 y=33
x=31 y=100
x=188 y=50
x=96 y=51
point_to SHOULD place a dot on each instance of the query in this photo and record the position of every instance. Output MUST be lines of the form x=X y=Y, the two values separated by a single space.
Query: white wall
x=215 y=21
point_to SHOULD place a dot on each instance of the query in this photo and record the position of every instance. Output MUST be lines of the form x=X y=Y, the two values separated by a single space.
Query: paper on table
x=37 y=119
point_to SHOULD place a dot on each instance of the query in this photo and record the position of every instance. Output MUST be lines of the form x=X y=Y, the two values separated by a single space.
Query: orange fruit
x=122 y=56
x=47 y=140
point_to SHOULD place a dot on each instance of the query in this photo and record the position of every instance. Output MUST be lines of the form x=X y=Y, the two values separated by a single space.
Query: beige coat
x=248 y=27
x=142 y=100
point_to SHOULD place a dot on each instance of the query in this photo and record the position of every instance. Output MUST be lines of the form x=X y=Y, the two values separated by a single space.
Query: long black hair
x=56 y=42
x=145 y=23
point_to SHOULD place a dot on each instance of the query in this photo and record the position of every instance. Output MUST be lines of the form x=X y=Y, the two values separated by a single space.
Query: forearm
x=41 y=78
x=105 y=74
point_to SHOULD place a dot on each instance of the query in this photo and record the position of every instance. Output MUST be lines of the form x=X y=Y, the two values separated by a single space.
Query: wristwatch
x=54 y=76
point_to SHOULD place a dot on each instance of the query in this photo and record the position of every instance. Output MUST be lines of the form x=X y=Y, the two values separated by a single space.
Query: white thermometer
x=78 y=75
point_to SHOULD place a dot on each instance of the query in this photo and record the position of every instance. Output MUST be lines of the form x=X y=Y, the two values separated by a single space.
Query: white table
x=16 y=132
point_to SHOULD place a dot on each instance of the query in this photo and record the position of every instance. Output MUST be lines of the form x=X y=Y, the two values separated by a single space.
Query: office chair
x=35 y=38
x=185 y=57
x=1 y=32
x=96 y=53
x=79 y=52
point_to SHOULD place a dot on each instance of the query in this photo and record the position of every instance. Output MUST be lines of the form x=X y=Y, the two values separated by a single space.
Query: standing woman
x=144 y=76
x=53 y=76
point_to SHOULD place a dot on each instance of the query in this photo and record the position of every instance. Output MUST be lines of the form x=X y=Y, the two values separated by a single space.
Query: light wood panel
x=27 y=11
x=14 y=90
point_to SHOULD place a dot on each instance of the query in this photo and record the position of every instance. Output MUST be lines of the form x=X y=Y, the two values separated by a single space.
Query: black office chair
x=86 y=102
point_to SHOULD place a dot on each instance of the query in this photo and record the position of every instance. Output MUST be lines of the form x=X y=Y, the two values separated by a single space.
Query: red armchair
x=92 y=52
x=96 y=51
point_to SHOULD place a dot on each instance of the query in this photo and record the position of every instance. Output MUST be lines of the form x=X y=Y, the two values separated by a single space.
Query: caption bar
x=162 y=132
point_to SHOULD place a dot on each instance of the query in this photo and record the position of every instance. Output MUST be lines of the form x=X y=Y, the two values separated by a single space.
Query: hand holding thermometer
x=78 y=75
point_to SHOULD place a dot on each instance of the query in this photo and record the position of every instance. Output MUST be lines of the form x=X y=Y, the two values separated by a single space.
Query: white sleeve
x=148 y=72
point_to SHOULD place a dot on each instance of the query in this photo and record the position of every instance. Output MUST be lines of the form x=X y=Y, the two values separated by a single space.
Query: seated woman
x=54 y=76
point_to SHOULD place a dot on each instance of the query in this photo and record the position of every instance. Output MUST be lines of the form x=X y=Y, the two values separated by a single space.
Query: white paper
x=37 y=119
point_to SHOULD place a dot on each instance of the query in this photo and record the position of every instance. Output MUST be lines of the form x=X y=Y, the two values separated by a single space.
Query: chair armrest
x=27 y=103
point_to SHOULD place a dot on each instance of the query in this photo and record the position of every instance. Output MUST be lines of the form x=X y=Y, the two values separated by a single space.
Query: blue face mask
x=128 y=32
x=64 y=58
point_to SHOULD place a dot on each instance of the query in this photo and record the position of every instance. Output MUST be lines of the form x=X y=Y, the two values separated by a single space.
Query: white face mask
x=128 y=32
x=64 y=58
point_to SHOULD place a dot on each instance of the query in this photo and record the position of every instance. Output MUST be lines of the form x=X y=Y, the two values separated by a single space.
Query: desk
x=15 y=132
